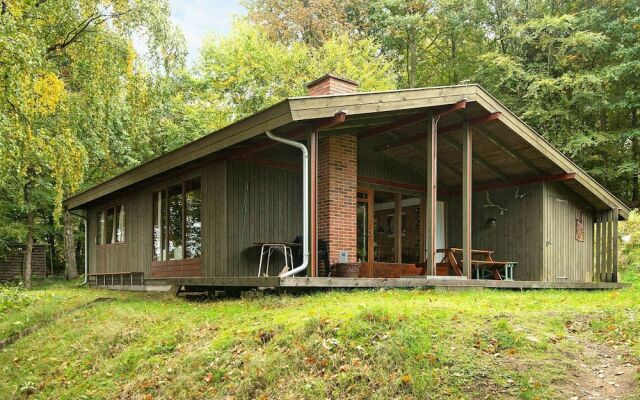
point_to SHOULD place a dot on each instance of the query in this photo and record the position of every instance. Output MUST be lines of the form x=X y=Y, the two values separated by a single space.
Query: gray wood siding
x=566 y=259
x=134 y=255
x=214 y=220
x=517 y=235
x=264 y=204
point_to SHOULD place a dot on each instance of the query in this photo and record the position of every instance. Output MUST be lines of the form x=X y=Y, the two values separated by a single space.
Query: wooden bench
x=483 y=268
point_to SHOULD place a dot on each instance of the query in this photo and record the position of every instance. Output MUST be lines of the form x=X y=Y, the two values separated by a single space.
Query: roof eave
x=271 y=118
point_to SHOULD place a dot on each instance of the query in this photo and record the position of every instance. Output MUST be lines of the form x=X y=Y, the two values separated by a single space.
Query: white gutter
x=305 y=202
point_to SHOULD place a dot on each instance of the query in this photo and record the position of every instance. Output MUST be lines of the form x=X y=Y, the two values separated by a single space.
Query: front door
x=558 y=235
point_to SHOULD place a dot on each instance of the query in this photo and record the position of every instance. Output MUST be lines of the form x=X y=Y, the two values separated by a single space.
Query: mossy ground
x=360 y=344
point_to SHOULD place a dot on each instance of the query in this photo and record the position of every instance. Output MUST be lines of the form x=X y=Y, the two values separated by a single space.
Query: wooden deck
x=362 y=283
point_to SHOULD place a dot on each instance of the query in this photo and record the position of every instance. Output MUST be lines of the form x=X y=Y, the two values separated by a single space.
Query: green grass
x=359 y=344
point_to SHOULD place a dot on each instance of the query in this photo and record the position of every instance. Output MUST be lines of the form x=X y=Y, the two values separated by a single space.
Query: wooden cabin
x=439 y=186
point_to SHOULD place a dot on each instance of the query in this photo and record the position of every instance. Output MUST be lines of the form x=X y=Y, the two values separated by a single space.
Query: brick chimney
x=331 y=84
x=337 y=180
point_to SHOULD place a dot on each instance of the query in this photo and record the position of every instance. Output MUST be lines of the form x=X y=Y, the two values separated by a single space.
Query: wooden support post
x=432 y=193
x=423 y=242
x=614 y=251
x=313 y=199
x=467 y=193
x=609 y=245
x=597 y=246
x=398 y=227
x=603 y=246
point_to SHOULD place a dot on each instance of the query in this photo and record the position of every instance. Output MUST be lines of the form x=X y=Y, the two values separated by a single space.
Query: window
x=159 y=214
x=119 y=231
x=192 y=220
x=100 y=225
x=177 y=224
x=110 y=225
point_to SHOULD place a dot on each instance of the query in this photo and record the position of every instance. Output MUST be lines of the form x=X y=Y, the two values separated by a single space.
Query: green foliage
x=14 y=298
x=79 y=105
x=629 y=233
x=245 y=72
x=67 y=69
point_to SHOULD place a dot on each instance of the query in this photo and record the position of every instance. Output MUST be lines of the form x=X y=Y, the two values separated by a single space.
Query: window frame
x=182 y=181
x=101 y=233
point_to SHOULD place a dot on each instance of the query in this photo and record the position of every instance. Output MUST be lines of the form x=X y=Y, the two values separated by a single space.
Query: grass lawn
x=422 y=344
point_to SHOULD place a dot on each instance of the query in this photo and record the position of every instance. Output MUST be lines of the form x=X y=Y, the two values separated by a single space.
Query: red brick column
x=337 y=190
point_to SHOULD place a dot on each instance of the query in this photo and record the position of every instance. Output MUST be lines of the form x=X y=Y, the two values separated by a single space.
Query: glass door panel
x=384 y=245
x=411 y=229
x=363 y=231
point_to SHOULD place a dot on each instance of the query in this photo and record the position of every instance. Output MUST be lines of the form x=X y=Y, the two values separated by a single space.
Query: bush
x=629 y=242
x=14 y=297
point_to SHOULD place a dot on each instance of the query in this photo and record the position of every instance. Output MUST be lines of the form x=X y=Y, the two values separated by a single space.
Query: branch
x=82 y=27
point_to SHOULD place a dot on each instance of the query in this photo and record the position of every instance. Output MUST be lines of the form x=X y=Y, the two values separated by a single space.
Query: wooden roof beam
x=513 y=153
x=445 y=129
x=460 y=105
x=562 y=177
x=477 y=158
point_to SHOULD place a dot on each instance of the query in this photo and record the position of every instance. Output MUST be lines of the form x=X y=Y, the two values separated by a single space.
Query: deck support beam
x=467 y=193
x=432 y=193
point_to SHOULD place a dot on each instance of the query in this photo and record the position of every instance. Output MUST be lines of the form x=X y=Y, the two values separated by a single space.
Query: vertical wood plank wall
x=605 y=246
x=517 y=235
x=565 y=258
x=264 y=205
x=245 y=202
x=134 y=255
x=215 y=257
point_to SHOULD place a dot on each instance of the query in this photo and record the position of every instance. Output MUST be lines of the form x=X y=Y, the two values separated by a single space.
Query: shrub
x=14 y=297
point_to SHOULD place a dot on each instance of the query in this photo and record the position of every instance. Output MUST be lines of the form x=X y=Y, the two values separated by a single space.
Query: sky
x=197 y=18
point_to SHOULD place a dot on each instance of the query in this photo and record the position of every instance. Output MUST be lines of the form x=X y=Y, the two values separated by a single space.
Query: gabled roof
x=296 y=112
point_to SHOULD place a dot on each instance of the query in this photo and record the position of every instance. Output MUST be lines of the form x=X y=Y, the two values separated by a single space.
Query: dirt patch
x=600 y=371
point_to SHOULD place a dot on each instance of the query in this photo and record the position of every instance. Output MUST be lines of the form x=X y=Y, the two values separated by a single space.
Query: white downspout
x=305 y=202
x=86 y=252
x=86 y=246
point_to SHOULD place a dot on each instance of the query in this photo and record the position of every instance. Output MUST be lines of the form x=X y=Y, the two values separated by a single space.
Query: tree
x=64 y=67
x=311 y=22
x=245 y=72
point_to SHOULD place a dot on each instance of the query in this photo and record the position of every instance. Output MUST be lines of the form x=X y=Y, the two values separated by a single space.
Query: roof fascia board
x=526 y=132
x=271 y=118
x=365 y=103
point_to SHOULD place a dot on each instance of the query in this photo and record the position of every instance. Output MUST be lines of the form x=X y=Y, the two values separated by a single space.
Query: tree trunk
x=635 y=149
x=412 y=48
x=70 y=268
x=29 y=250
